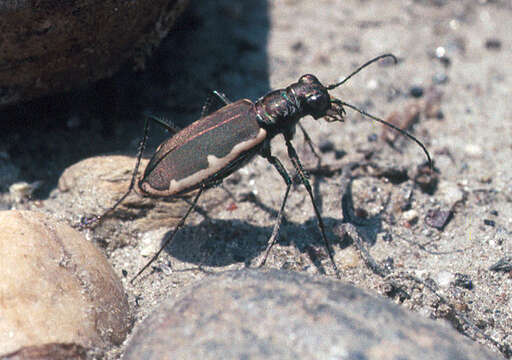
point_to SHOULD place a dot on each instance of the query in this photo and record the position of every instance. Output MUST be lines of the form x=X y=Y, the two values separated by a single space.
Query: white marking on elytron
x=215 y=164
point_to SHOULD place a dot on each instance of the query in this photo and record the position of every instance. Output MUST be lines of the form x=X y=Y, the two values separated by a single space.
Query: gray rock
x=280 y=315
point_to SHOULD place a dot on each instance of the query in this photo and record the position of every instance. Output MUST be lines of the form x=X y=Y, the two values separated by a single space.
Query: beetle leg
x=167 y=124
x=282 y=171
x=300 y=171
x=170 y=237
x=205 y=111
x=91 y=222
x=310 y=144
x=222 y=97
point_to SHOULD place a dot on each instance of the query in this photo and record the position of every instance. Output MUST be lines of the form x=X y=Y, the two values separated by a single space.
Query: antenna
x=330 y=87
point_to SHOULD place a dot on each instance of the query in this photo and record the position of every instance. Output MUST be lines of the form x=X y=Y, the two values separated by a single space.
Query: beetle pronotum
x=201 y=155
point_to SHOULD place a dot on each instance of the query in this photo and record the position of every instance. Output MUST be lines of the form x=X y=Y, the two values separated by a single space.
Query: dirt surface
x=452 y=66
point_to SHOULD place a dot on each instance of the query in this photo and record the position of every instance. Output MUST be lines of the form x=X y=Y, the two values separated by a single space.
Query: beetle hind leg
x=90 y=222
x=171 y=236
x=207 y=107
x=166 y=123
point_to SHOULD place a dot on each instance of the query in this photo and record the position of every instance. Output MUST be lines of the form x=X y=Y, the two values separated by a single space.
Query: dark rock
x=50 y=46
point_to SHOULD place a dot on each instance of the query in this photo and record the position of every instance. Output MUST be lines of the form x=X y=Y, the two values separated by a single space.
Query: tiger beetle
x=204 y=153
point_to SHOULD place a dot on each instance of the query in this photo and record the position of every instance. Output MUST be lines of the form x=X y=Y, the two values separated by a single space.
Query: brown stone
x=56 y=287
x=49 y=46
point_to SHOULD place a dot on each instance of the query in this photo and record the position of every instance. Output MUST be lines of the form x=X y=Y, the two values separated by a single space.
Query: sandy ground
x=458 y=49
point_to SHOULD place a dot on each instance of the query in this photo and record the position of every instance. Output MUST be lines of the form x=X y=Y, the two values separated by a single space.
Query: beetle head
x=314 y=97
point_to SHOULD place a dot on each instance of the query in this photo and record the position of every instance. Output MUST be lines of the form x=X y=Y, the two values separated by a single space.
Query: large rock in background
x=49 y=46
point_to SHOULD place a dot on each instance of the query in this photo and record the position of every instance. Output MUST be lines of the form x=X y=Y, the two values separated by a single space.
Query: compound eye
x=317 y=104
x=313 y=98
x=318 y=100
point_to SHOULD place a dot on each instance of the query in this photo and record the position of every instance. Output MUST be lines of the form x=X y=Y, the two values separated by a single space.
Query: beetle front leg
x=300 y=170
x=308 y=140
x=282 y=171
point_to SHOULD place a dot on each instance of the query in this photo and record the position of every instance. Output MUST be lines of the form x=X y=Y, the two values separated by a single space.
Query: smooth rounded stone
x=252 y=314
x=50 y=46
x=56 y=287
x=96 y=183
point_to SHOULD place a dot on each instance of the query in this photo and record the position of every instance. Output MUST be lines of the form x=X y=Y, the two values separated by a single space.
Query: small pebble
x=437 y=218
x=372 y=137
x=440 y=78
x=489 y=222
x=338 y=154
x=440 y=52
x=444 y=279
x=504 y=264
x=410 y=216
x=485 y=179
x=426 y=179
x=326 y=146
x=416 y=91
x=298 y=45
x=464 y=281
x=473 y=150
x=493 y=44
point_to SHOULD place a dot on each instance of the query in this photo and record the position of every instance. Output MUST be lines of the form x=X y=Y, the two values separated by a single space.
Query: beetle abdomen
x=197 y=154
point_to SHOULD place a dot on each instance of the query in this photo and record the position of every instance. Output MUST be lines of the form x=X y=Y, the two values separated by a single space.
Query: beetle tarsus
x=170 y=237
